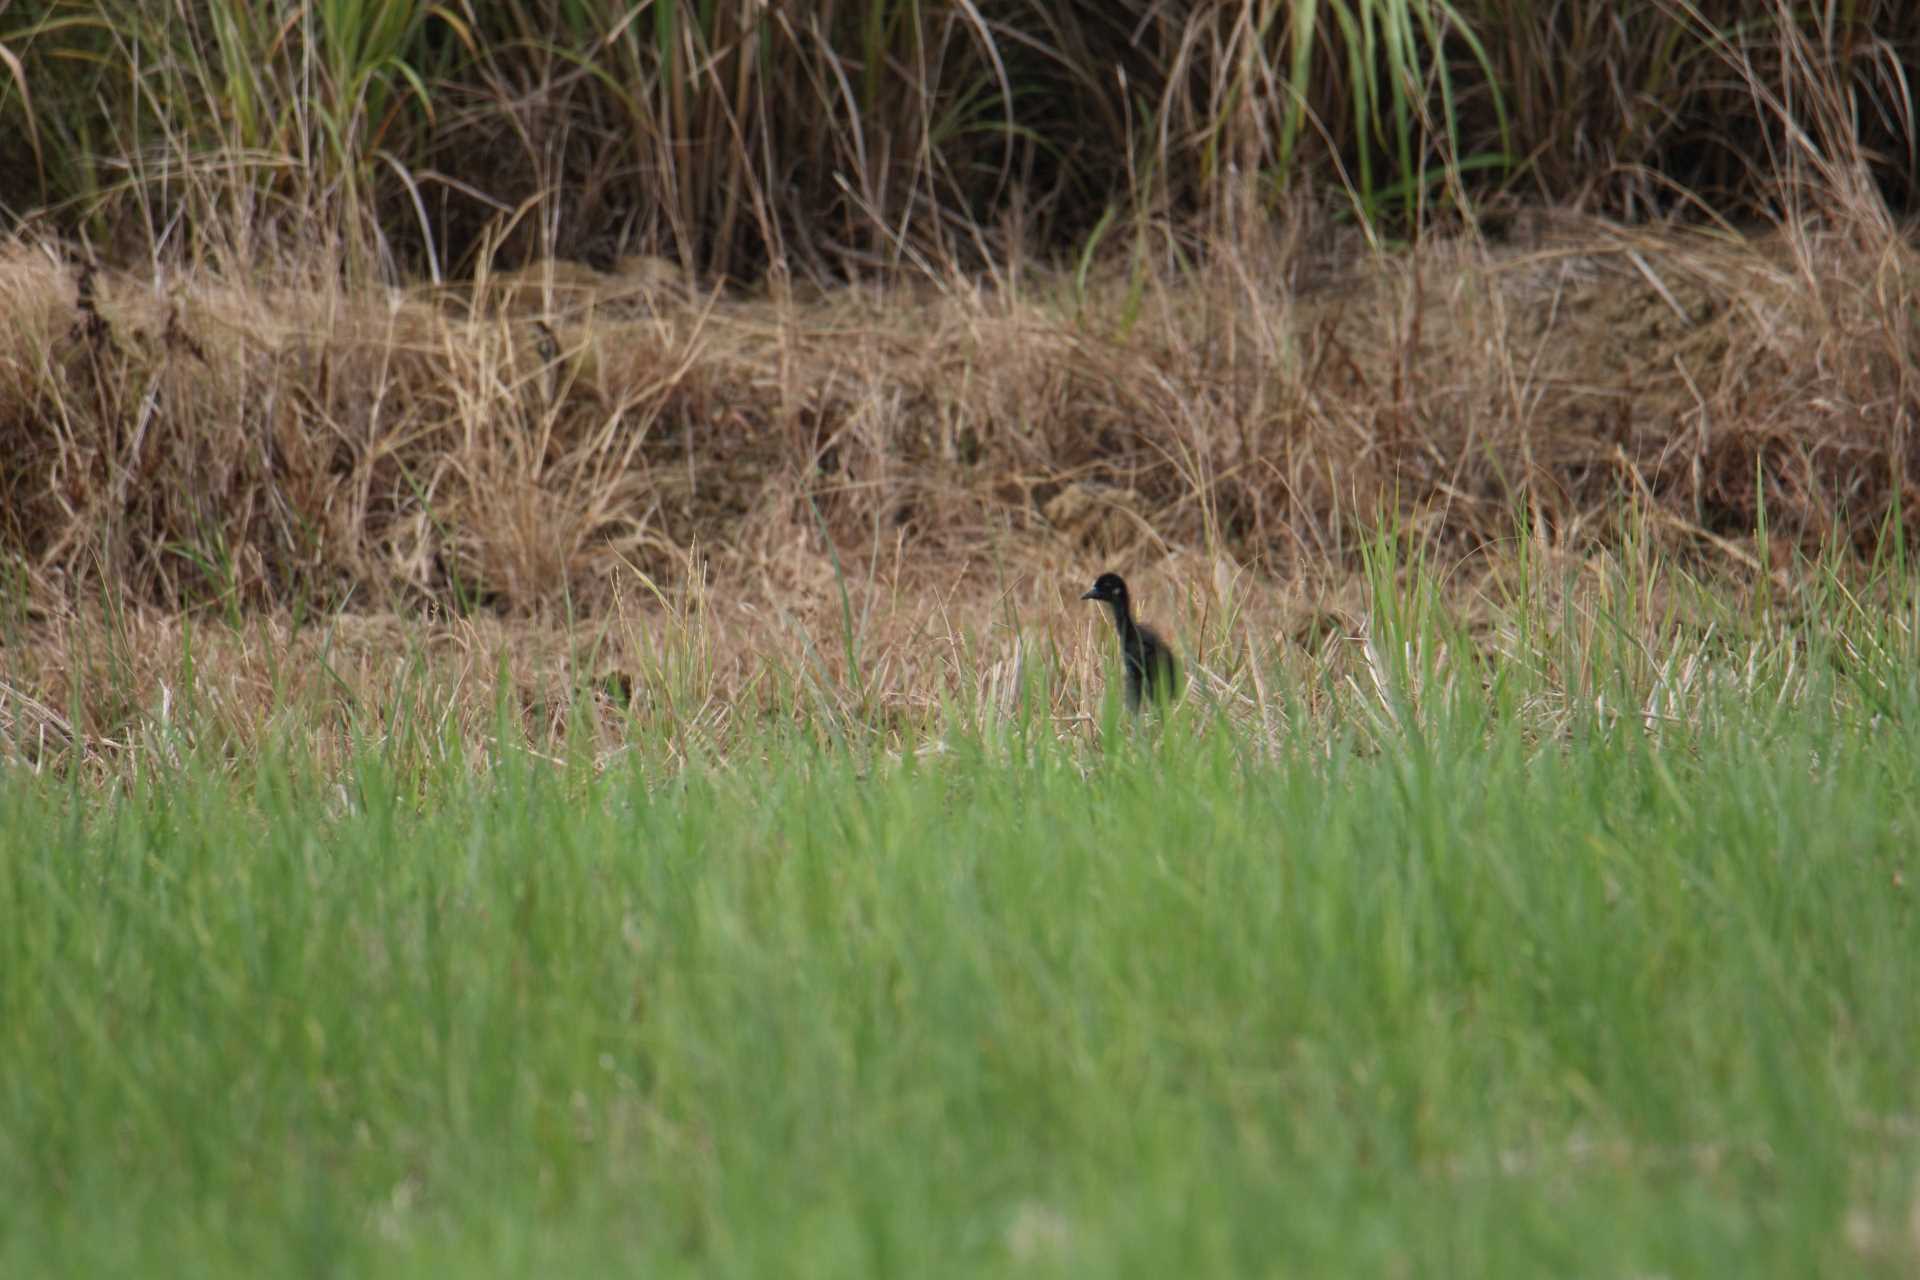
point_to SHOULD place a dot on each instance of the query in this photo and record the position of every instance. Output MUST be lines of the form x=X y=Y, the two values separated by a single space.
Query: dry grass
x=609 y=483
x=519 y=447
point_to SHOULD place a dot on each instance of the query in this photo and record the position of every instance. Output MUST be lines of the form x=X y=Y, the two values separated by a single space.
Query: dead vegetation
x=708 y=507
x=189 y=443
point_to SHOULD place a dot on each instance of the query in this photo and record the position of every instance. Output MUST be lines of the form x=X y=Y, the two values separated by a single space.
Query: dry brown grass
x=702 y=673
x=519 y=447
x=573 y=469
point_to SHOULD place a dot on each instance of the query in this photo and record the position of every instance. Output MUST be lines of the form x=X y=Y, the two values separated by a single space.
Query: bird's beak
x=1091 y=595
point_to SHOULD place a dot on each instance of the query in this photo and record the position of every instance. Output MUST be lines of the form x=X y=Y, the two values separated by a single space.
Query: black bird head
x=1110 y=588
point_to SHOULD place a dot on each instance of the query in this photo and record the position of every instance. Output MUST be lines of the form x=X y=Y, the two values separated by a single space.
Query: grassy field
x=1564 y=939
x=547 y=725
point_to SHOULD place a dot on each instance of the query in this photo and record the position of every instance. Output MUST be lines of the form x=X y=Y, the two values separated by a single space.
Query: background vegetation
x=831 y=140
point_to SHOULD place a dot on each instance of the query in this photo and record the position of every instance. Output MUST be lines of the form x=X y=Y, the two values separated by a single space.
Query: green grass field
x=548 y=726
x=1478 y=982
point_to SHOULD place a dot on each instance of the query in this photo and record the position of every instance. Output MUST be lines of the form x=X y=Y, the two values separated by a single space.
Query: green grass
x=1458 y=994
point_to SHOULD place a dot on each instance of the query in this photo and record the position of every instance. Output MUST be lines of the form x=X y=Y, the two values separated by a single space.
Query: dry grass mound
x=520 y=446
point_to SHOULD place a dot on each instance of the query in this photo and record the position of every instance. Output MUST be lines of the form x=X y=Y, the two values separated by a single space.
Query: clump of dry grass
x=198 y=443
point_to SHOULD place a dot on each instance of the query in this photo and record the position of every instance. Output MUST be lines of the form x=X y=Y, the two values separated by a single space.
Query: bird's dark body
x=1152 y=672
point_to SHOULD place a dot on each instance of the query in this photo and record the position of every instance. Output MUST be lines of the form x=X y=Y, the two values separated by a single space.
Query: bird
x=1151 y=670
